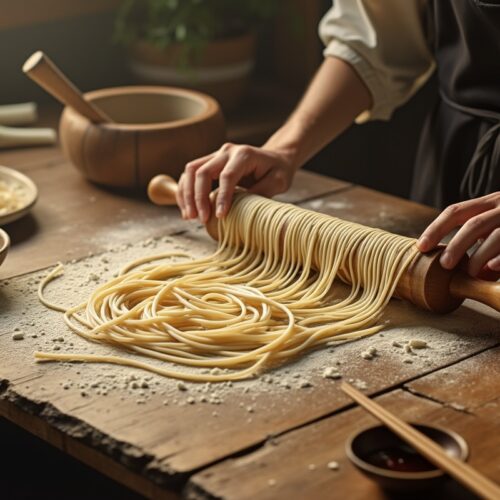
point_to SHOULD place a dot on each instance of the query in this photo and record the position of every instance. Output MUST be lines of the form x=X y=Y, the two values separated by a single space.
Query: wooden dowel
x=487 y=292
x=461 y=471
x=18 y=114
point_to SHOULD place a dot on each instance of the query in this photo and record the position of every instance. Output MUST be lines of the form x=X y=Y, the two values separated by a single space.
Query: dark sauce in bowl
x=401 y=459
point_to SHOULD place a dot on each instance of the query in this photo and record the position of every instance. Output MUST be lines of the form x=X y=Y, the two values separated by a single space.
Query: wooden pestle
x=44 y=72
x=425 y=283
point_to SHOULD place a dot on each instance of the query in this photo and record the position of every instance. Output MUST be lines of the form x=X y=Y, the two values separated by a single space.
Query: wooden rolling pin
x=425 y=283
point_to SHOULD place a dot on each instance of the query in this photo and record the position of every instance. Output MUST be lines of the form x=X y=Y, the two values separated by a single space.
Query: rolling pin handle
x=486 y=292
x=162 y=190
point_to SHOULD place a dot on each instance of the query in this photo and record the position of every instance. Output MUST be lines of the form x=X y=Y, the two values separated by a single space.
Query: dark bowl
x=364 y=443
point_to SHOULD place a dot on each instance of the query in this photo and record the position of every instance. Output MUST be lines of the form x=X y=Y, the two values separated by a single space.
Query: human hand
x=272 y=170
x=480 y=221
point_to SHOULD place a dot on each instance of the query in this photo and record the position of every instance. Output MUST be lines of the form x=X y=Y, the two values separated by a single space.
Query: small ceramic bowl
x=155 y=130
x=4 y=245
x=24 y=187
x=362 y=445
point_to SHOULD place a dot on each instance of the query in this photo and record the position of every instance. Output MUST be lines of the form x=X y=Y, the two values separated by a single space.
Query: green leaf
x=180 y=32
x=190 y=22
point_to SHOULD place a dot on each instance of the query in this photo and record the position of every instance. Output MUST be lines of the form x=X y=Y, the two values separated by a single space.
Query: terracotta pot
x=157 y=130
x=222 y=69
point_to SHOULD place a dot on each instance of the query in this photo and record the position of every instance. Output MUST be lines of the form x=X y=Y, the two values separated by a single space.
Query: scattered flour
x=331 y=372
x=431 y=341
x=417 y=344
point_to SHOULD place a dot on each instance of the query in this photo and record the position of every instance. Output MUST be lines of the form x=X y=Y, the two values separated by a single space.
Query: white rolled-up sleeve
x=385 y=42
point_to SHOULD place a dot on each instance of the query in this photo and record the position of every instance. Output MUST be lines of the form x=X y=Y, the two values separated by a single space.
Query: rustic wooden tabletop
x=271 y=438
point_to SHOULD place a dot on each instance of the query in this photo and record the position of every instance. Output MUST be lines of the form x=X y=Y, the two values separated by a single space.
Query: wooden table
x=279 y=447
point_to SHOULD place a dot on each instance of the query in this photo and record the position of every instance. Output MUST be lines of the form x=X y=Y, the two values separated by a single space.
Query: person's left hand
x=480 y=221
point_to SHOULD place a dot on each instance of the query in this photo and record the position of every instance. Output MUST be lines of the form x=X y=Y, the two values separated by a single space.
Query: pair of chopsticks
x=11 y=135
x=461 y=471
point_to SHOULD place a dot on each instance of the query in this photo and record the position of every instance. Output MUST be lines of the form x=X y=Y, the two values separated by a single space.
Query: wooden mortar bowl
x=155 y=130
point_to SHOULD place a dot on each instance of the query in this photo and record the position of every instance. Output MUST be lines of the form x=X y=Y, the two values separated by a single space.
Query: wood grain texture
x=472 y=385
x=287 y=459
x=31 y=158
x=487 y=292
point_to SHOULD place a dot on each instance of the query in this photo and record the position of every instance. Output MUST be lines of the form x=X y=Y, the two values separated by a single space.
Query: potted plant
x=208 y=45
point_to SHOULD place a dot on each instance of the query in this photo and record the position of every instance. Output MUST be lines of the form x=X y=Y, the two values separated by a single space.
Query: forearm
x=334 y=98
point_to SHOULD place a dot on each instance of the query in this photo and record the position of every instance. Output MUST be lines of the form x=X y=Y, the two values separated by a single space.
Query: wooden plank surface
x=158 y=435
x=180 y=437
x=464 y=397
x=285 y=461
x=469 y=386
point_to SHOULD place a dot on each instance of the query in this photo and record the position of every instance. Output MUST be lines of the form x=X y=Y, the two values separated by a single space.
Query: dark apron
x=459 y=152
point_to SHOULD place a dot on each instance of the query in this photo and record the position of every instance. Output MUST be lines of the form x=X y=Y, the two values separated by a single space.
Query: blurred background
x=269 y=52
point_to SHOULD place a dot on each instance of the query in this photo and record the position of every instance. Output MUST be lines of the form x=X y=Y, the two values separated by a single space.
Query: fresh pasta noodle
x=267 y=294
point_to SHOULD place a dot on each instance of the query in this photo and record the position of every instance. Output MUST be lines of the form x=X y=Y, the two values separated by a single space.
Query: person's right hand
x=273 y=172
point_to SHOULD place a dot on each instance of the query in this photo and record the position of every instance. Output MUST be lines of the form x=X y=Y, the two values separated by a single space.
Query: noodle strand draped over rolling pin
x=263 y=297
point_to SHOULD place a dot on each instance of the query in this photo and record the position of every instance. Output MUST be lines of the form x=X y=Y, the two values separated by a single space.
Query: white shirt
x=385 y=42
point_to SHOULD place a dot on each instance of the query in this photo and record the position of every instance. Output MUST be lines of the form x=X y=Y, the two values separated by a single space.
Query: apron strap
x=479 y=176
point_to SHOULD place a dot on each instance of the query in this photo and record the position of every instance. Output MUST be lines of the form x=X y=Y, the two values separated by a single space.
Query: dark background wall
x=82 y=46
x=376 y=154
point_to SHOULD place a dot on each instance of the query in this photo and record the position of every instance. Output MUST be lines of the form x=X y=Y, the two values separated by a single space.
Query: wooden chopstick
x=461 y=471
